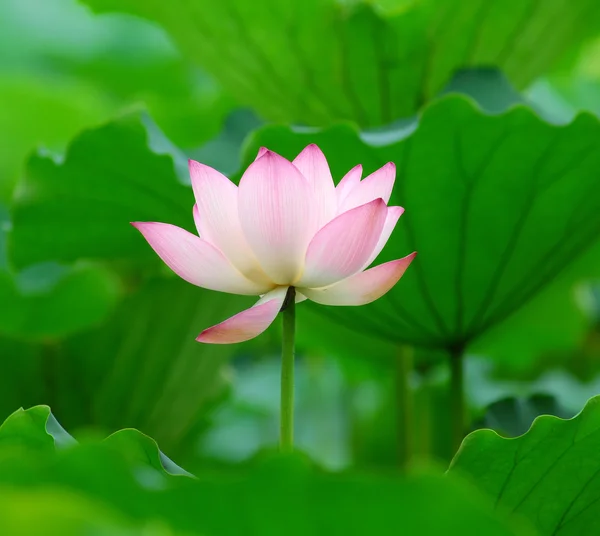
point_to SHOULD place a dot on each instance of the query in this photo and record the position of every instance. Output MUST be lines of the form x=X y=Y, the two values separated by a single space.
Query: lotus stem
x=286 y=437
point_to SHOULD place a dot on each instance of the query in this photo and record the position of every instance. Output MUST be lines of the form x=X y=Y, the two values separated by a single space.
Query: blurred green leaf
x=34 y=428
x=37 y=429
x=117 y=59
x=55 y=511
x=48 y=301
x=378 y=438
x=488 y=87
x=142 y=368
x=497 y=207
x=139 y=447
x=549 y=475
x=74 y=299
x=63 y=69
x=82 y=207
x=34 y=112
x=574 y=89
x=38 y=436
x=513 y=416
x=320 y=332
x=370 y=62
x=277 y=495
x=282 y=496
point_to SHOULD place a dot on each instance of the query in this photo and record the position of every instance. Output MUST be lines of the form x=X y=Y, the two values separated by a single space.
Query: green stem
x=286 y=437
x=404 y=405
x=457 y=397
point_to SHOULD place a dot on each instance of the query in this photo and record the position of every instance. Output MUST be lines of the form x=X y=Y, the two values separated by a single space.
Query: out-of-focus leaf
x=140 y=448
x=323 y=60
x=281 y=494
x=73 y=300
x=320 y=332
x=34 y=112
x=551 y=474
x=23 y=380
x=377 y=435
x=488 y=87
x=144 y=368
x=576 y=89
x=118 y=59
x=82 y=207
x=38 y=430
x=224 y=151
x=55 y=511
x=497 y=206
x=513 y=416
x=34 y=428
x=285 y=496
x=47 y=301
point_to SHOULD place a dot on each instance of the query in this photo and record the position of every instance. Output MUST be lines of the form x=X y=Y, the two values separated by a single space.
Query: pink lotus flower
x=286 y=224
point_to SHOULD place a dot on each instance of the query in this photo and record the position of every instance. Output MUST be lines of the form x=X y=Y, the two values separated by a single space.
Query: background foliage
x=489 y=110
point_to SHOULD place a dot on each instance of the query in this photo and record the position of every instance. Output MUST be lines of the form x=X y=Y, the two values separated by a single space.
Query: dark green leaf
x=497 y=206
x=513 y=416
x=488 y=87
x=550 y=475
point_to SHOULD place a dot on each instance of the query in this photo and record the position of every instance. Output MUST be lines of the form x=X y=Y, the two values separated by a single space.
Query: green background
x=488 y=108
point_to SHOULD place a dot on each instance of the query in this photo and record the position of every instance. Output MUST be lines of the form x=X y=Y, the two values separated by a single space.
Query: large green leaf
x=279 y=494
x=142 y=368
x=82 y=207
x=49 y=302
x=371 y=62
x=553 y=321
x=551 y=474
x=497 y=206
